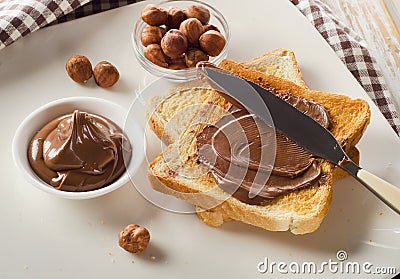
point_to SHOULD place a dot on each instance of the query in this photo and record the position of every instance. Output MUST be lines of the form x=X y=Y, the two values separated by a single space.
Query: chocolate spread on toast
x=233 y=146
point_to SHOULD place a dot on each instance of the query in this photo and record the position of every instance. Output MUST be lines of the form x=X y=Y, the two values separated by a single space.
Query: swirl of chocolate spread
x=232 y=149
x=79 y=152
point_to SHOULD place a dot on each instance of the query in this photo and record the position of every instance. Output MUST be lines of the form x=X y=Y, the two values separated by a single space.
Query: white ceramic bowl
x=217 y=19
x=41 y=116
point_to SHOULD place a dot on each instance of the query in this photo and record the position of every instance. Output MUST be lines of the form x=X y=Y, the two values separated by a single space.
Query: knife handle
x=387 y=192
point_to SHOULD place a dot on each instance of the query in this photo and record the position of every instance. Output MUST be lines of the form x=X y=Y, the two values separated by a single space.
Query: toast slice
x=168 y=125
x=176 y=171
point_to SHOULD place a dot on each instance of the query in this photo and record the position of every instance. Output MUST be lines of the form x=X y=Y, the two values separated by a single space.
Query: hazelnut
x=199 y=12
x=212 y=42
x=192 y=29
x=134 y=238
x=210 y=27
x=174 y=43
x=152 y=35
x=177 y=63
x=79 y=68
x=194 y=56
x=154 y=15
x=105 y=74
x=154 y=53
x=175 y=17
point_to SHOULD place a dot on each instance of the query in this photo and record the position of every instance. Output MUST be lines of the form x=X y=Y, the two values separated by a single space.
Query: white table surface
x=47 y=237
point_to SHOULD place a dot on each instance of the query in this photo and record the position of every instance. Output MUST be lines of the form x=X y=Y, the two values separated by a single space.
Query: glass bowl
x=216 y=19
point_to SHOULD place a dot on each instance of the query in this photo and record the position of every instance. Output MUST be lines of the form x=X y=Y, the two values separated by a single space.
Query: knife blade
x=296 y=125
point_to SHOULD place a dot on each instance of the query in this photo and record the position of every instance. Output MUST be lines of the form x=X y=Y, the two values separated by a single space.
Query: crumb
x=172 y=173
x=109 y=253
x=26 y=267
x=153 y=258
x=133 y=261
x=381 y=213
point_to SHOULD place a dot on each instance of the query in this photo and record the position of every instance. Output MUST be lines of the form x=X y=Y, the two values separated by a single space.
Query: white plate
x=46 y=237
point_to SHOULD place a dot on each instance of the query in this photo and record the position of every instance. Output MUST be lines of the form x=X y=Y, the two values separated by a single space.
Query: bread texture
x=281 y=63
x=176 y=171
x=168 y=125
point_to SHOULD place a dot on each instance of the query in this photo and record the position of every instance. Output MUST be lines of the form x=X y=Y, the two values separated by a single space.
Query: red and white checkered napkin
x=351 y=49
x=21 y=17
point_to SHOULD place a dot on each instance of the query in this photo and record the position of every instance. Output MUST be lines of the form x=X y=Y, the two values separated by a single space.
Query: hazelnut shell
x=154 y=53
x=105 y=74
x=177 y=63
x=154 y=15
x=209 y=27
x=199 y=12
x=151 y=35
x=212 y=42
x=175 y=17
x=79 y=68
x=174 y=43
x=192 y=29
x=194 y=56
x=134 y=238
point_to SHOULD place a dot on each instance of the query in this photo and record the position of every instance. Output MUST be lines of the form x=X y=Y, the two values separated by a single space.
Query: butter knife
x=299 y=127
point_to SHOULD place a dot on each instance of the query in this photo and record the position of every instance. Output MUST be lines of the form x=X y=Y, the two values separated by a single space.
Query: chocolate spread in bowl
x=294 y=168
x=79 y=152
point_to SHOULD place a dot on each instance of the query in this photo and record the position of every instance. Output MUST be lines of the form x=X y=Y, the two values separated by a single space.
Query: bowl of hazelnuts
x=171 y=37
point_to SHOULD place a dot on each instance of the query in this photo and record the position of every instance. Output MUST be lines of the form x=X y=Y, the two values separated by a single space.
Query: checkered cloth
x=351 y=49
x=21 y=17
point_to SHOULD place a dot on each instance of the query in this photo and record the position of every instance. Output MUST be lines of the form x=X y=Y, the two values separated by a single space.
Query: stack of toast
x=184 y=112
